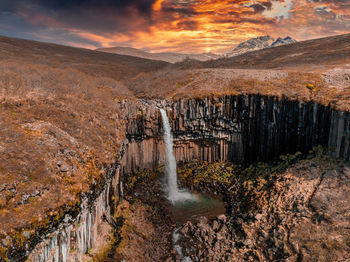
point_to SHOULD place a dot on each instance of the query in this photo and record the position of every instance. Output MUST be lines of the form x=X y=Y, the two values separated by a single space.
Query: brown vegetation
x=311 y=55
x=175 y=84
x=61 y=120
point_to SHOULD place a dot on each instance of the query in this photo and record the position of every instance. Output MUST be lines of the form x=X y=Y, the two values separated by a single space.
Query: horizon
x=155 y=52
x=170 y=26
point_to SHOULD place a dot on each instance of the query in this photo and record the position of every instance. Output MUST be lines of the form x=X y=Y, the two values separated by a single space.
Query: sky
x=171 y=25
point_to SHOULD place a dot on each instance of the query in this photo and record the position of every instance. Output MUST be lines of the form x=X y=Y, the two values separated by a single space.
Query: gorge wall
x=77 y=234
x=339 y=137
x=245 y=129
x=240 y=129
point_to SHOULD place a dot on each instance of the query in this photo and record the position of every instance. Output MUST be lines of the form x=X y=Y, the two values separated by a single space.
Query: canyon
x=83 y=160
x=236 y=129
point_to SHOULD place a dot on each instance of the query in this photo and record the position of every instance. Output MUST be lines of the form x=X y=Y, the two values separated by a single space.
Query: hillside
x=165 y=56
x=283 y=70
x=59 y=112
x=313 y=54
x=87 y=61
x=259 y=43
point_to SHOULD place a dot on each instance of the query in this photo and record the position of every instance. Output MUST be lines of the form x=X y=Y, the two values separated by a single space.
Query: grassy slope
x=306 y=55
x=284 y=70
x=60 y=118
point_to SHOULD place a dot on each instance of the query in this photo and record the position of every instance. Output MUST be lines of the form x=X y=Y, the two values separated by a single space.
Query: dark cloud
x=187 y=25
x=143 y=6
x=103 y=15
x=258 y=8
x=325 y=12
x=15 y=26
x=180 y=10
x=267 y=4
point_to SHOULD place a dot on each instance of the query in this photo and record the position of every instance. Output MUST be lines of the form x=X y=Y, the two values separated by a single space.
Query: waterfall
x=173 y=191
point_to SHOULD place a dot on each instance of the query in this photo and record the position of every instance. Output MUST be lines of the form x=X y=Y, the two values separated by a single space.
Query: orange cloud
x=157 y=6
x=214 y=25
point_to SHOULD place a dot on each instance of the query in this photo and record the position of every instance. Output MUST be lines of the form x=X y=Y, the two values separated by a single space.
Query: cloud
x=168 y=25
x=103 y=15
x=279 y=9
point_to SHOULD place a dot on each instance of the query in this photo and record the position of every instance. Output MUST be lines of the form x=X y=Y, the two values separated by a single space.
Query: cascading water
x=173 y=191
x=188 y=205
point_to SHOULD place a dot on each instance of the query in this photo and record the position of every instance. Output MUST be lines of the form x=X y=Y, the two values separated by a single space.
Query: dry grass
x=61 y=120
x=52 y=124
x=176 y=84
x=117 y=67
x=309 y=56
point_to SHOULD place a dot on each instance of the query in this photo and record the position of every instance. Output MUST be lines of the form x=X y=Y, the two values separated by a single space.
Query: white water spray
x=176 y=238
x=174 y=194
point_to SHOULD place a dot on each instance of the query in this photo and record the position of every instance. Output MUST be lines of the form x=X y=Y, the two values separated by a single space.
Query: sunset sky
x=171 y=25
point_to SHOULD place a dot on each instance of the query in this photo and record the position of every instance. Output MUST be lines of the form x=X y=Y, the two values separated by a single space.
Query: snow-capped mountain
x=283 y=41
x=260 y=42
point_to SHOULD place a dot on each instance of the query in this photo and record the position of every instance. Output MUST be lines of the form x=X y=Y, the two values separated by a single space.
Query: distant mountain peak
x=265 y=37
x=260 y=42
x=164 y=56
x=283 y=41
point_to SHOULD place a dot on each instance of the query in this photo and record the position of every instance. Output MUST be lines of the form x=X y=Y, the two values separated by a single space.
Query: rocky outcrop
x=76 y=235
x=300 y=216
x=245 y=129
x=339 y=137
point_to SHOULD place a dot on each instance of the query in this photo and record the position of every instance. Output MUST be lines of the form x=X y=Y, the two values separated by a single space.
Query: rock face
x=239 y=129
x=77 y=234
x=245 y=129
x=339 y=138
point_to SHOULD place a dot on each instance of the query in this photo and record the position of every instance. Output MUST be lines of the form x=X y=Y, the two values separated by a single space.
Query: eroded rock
x=303 y=216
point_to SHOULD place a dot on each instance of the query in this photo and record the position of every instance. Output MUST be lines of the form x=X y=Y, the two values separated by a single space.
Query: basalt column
x=245 y=129
x=339 y=138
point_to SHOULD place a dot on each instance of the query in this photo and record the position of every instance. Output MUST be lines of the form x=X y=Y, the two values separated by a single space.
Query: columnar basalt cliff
x=339 y=138
x=78 y=232
x=245 y=129
x=240 y=129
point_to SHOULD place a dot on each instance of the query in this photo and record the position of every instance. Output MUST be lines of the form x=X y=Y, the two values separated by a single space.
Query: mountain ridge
x=169 y=57
x=250 y=45
x=259 y=43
